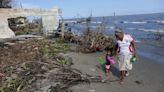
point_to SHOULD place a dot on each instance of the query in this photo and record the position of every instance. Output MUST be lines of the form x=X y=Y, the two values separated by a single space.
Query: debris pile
x=39 y=65
x=21 y=51
x=92 y=41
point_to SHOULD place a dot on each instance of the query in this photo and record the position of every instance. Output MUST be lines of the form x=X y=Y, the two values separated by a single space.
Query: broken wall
x=5 y=31
x=50 y=24
x=49 y=19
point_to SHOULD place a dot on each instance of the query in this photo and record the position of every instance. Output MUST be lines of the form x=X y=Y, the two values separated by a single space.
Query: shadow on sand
x=114 y=70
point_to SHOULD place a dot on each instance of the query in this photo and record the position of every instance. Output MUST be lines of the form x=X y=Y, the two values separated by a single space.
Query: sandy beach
x=146 y=76
x=55 y=45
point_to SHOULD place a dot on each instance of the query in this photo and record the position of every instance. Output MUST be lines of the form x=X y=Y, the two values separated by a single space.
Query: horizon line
x=122 y=15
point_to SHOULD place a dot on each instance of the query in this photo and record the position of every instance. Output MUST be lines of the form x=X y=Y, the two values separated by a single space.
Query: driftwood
x=91 y=41
x=39 y=61
x=27 y=74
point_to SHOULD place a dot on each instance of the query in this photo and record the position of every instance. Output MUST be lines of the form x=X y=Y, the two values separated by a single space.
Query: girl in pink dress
x=109 y=61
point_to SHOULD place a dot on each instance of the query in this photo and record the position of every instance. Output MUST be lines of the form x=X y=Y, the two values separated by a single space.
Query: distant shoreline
x=123 y=15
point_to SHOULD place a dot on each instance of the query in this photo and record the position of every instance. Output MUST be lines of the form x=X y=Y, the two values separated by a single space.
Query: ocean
x=147 y=29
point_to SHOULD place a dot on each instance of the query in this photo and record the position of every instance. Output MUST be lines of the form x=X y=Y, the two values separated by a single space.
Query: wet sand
x=146 y=76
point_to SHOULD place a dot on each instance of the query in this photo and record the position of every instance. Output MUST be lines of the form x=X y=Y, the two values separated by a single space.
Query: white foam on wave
x=143 y=22
x=147 y=30
x=156 y=21
x=96 y=22
x=137 y=41
x=152 y=30
x=111 y=27
x=160 y=21
x=134 y=22
x=132 y=28
x=137 y=22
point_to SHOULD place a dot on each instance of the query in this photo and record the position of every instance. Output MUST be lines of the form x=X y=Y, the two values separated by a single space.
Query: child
x=109 y=61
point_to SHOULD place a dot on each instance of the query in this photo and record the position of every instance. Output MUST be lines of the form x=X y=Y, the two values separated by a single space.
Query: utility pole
x=21 y=5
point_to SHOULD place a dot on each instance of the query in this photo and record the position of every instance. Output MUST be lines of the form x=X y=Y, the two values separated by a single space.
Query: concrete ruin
x=50 y=20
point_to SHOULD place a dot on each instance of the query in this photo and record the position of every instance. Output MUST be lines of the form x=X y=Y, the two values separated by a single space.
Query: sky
x=83 y=8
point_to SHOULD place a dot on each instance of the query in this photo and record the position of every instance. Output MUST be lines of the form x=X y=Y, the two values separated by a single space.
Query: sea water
x=147 y=29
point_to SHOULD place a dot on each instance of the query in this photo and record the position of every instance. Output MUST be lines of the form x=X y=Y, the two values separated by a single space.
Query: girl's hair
x=111 y=50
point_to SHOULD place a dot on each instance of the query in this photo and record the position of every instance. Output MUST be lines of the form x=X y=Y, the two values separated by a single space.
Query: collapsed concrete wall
x=49 y=19
x=5 y=31
x=49 y=23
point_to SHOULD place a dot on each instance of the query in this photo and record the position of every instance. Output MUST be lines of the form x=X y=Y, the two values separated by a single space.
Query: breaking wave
x=147 y=30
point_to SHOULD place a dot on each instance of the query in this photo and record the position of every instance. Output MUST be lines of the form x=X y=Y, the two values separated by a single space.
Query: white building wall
x=50 y=24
